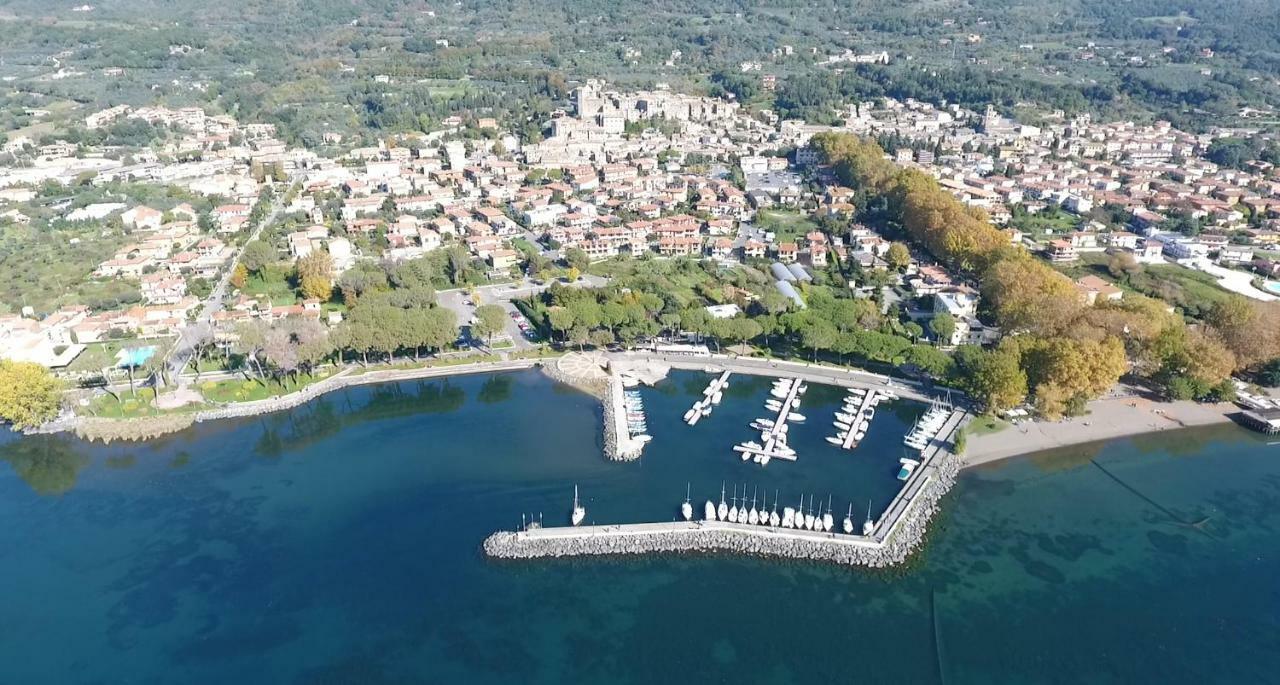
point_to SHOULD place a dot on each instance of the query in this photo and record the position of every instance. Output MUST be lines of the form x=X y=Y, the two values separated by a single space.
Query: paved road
x=182 y=350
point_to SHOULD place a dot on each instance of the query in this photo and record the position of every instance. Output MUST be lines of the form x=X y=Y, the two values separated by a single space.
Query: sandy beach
x=1107 y=418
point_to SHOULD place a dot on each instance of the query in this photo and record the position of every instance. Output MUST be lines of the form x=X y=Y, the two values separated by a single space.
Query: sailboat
x=709 y=513
x=753 y=516
x=868 y=526
x=773 y=515
x=733 y=509
x=722 y=512
x=686 y=509
x=848 y=521
x=579 y=512
x=809 y=520
x=827 y=522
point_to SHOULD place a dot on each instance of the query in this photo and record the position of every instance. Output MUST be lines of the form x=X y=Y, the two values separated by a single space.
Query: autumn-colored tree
x=316 y=287
x=1027 y=295
x=898 y=256
x=314 y=272
x=239 y=276
x=29 y=394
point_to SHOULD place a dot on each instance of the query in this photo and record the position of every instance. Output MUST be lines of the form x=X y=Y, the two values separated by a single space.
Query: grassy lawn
x=787 y=225
x=245 y=390
x=273 y=284
x=129 y=406
x=1048 y=222
x=984 y=425
x=1195 y=292
x=97 y=356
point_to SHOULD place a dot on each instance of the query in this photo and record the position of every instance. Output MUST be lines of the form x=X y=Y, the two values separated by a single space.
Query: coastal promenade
x=777 y=368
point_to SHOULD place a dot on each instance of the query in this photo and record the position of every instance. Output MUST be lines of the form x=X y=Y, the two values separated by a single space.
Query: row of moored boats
x=735 y=510
x=784 y=398
x=637 y=425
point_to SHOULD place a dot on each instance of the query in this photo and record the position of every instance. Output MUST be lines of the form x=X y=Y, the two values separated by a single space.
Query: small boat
x=772 y=405
x=733 y=509
x=908 y=467
x=827 y=522
x=715 y=399
x=841 y=416
x=774 y=519
x=643 y=438
x=686 y=509
x=803 y=520
x=579 y=512
x=779 y=393
x=868 y=526
x=848 y=520
x=706 y=411
x=753 y=445
x=709 y=513
x=798 y=418
x=859 y=435
x=753 y=516
x=836 y=440
x=842 y=425
x=722 y=512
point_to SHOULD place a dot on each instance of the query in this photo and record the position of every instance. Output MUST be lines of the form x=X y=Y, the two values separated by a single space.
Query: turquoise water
x=1273 y=286
x=135 y=356
x=339 y=543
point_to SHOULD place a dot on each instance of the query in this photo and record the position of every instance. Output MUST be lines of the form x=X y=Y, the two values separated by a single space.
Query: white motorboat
x=842 y=425
x=579 y=512
x=780 y=393
x=715 y=399
x=722 y=512
x=841 y=416
x=908 y=467
x=709 y=512
x=859 y=435
x=686 y=509
x=798 y=418
x=772 y=405
x=837 y=440
x=848 y=520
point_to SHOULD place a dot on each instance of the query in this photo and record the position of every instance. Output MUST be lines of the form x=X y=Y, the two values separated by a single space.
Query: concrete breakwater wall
x=722 y=537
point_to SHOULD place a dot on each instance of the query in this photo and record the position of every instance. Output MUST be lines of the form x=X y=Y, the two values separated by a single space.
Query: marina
x=807 y=531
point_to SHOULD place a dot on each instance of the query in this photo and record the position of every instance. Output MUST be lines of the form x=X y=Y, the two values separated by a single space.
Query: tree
x=1123 y=265
x=239 y=276
x=898 y=256
x=561 y=319
x=362 y=278
x=995 y=378
x=257 y=255
x=29 y=394
x=601 y=338
x=943 y=326
x=490 y=319
x=314 y=272
x=576 y=258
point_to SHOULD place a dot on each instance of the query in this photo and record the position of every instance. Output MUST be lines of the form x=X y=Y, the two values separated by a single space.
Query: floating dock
x=772 y=440
x=711 y=397
x=868 y=400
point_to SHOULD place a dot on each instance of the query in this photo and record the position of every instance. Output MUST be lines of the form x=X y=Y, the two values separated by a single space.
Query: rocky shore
x=713 y=537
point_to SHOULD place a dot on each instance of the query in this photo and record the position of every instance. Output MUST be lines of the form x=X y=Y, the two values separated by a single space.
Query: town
x=223 y=224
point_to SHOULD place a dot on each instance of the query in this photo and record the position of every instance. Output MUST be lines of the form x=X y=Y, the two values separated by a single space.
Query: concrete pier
x=850 y=441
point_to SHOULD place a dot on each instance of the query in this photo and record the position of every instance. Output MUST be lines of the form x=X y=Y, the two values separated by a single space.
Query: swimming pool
x=1272 y=287
x=134 y=356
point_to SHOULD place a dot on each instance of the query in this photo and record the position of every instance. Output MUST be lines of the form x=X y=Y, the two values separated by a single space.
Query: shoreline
x=1108 y=419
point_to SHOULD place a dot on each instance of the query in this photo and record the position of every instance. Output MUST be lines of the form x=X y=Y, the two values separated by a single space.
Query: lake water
x=339 y=543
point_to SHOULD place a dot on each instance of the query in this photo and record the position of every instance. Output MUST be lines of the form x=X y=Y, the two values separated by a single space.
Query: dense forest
x=310 y=65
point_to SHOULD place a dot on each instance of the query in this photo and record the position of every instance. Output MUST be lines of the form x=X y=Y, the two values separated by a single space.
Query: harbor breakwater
x=892 y=543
